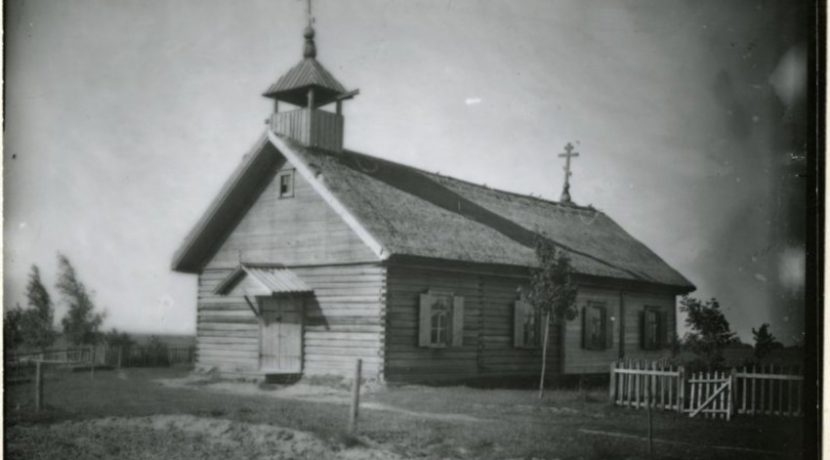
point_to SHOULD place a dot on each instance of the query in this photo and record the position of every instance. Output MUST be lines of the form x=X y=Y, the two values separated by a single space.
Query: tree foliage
x=12 y=332
x=81 y=323
x=765 y=342
x=37 y=321
x=710 y=332
x=552 y=289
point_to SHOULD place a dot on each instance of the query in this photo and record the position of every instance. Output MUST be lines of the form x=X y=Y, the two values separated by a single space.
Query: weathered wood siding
x=625 y=325
x=487 y=349
x=342 y=322
x=633 y=304
x=579 y=360
x=300 y=230
x=498 y=356
x=227 y=332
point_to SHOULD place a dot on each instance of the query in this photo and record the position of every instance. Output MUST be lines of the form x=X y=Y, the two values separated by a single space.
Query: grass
x=499 y=423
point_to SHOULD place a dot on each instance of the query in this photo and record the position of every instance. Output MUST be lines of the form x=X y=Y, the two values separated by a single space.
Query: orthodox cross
x=566 y=190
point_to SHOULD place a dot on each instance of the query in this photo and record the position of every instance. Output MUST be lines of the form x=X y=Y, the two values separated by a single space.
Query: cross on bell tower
x=566 y=190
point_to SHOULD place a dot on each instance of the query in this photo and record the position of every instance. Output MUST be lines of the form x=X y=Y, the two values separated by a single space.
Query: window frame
x=588 y=342
x=658 y=333
x=522 y=311
x=451 y=331
x=289 y=174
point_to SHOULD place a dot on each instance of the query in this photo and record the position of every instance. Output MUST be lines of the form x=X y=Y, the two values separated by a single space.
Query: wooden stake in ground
x=544 y=355
x=650 y=422
x=38 y=385
x=353 y=411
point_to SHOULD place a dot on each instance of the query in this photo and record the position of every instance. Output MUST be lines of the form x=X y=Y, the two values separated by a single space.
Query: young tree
x=765 y=342
x=709 y=329
x=552 y=292
x=12 y=333
x=37 y=321
x=81 y=323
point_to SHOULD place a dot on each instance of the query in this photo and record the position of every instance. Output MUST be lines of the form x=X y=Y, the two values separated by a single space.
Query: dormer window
x=285 y=179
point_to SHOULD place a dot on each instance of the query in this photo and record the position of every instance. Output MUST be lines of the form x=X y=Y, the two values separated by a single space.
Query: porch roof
x=267 y=281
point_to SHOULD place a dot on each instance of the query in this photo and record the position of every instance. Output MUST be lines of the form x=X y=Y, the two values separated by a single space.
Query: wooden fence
x=714 y=394
x=107 y=356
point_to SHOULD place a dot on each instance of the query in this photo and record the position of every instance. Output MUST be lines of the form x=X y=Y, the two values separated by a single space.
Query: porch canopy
x=259 y=280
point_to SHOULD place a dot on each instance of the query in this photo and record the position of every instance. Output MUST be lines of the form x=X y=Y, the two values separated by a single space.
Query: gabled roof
x=292 y=86
x=268 y=280
x=410 y=212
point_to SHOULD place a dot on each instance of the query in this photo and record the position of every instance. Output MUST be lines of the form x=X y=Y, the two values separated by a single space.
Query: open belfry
x=313 y=256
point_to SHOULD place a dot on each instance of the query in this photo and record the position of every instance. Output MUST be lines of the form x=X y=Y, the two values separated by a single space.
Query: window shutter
x=661 y=329
x=518 y=323
x=424 y=320
x=584 y=329
x=643 y=330
x=457 y=321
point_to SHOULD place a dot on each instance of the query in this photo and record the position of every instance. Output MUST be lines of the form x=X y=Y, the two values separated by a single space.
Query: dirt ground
x=167 y=413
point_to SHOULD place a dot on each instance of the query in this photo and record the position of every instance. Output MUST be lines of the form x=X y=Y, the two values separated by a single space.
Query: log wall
x=487 y=349
x=342 y=322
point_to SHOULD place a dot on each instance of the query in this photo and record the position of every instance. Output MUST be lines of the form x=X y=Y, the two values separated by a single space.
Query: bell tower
x=308 y=87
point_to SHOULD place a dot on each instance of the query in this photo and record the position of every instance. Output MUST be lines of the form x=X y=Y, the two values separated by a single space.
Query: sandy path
x=305 y=392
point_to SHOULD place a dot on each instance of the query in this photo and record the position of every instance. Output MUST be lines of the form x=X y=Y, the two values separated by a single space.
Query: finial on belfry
x=309 y=50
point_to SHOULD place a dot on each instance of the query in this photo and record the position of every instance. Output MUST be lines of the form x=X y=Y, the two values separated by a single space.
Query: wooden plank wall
x=404 y=359
x=579 y=360
x=497 y=355
x=301 y=230
x=633 y=304
x=342 y=322
x=487 y=350
x=227 y=332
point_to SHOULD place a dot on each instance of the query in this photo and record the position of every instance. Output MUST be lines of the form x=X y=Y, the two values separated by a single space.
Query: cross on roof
x=566 y=190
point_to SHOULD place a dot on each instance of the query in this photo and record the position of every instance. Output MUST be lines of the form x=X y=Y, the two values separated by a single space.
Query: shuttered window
x=596 y=332
x=441 y=320
x=653 y=328
x=526 y=325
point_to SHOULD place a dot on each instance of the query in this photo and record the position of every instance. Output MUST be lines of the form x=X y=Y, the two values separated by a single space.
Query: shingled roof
x=411 y=212
x=307 y=74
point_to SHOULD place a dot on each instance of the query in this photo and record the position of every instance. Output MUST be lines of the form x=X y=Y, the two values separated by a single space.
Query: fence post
x=92 y=361
x=38 y=385
x=353 y=411
x=681 y=389
x=120 y=348
x=648 y=391
x=612 y=384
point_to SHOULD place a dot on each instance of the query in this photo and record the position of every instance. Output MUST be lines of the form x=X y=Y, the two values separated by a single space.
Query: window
x=286 y=184
x=441 y=322
x=595 y=330
x=527 y=325
x=652 y=328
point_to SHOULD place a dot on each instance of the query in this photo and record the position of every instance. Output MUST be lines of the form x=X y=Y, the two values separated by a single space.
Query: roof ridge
x=574 y=207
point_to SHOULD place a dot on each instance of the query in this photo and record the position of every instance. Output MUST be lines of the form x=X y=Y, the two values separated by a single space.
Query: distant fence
x=766 y=390
x=151 y=355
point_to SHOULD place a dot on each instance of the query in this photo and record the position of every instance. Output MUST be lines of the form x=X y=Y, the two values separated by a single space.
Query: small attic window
x=285 y=181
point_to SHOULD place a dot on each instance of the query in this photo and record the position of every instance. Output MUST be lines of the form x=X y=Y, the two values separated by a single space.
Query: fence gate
x=710 y=394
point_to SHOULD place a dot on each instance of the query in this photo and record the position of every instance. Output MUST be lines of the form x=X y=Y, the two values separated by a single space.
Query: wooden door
x=281 y=335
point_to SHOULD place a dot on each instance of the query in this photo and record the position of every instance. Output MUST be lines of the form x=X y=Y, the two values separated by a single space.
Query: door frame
x=301 y=304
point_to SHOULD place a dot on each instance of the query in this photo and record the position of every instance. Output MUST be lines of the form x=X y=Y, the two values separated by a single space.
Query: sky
x=124 y=118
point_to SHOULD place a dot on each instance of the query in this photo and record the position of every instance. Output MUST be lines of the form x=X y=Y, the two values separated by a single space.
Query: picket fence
x=765 y=390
